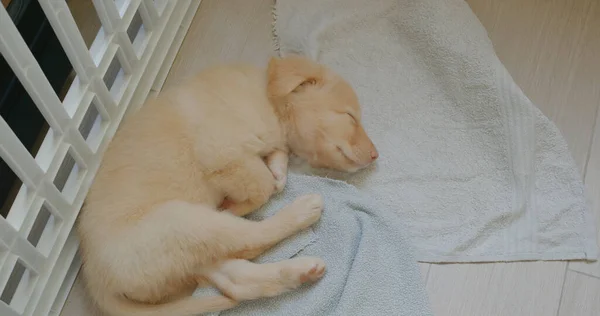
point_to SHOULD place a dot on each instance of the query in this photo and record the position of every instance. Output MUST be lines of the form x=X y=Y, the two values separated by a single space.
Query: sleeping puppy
x=151 y=230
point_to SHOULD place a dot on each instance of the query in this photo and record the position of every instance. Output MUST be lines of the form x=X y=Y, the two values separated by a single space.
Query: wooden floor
x=552 y=49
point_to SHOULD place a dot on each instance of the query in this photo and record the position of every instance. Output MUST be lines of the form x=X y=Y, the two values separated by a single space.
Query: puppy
x=151 y=230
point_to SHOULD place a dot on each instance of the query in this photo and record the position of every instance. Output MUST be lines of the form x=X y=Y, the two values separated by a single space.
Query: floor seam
x=586 y=274
x=562 y=289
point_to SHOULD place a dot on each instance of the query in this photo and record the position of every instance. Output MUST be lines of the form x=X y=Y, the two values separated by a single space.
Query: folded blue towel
x=371 y=269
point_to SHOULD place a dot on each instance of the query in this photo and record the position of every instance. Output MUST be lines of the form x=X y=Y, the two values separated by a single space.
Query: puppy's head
x=321 y=114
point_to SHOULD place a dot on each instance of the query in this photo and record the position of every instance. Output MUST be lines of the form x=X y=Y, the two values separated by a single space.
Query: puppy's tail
x=189 y=306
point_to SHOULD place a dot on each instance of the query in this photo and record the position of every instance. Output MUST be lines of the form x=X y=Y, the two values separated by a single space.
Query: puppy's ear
x=288 y=74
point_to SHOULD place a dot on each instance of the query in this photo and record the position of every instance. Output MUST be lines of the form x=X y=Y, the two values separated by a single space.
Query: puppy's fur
x=151 y=230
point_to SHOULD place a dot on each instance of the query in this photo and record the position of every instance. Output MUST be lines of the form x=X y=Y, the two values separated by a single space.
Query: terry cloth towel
x=371 y=269
x=472 y=167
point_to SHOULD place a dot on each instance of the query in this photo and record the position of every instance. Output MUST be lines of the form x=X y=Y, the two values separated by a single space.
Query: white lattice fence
x=135 y=46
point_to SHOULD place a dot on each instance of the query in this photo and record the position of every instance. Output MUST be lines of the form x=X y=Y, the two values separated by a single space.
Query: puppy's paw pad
x=315 y=273
x=303 y=270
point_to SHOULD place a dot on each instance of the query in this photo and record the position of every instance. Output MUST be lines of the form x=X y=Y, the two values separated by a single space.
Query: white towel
x=470 y=164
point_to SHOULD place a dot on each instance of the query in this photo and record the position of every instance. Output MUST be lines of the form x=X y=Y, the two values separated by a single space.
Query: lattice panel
x=126 y=59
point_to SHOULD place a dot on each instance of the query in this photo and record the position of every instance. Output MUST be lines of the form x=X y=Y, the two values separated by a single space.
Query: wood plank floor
x=552 y=49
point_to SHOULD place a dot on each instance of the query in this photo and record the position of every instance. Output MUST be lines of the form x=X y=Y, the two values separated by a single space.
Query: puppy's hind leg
x=206 y=234
x=294 y=217
x=186 y=237
x=243 y=280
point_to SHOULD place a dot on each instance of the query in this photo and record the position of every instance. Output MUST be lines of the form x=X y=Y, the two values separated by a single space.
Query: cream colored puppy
x=151 y=230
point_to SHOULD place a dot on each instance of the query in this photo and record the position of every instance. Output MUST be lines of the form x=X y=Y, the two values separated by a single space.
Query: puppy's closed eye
x=351 y=117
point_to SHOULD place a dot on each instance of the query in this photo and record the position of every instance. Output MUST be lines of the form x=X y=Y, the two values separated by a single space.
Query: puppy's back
x=163 y=151
x=232 y=113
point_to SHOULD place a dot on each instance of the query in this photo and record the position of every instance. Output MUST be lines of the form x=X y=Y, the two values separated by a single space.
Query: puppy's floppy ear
x=287 y=74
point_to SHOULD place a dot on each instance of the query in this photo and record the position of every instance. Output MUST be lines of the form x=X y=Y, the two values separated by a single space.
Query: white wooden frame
x=52 y=265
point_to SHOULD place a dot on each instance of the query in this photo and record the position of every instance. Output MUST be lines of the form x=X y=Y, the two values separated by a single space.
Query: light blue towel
x=371 y=269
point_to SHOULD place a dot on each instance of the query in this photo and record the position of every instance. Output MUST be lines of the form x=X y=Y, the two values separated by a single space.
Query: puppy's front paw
x=279 y=172
x=280 y=181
